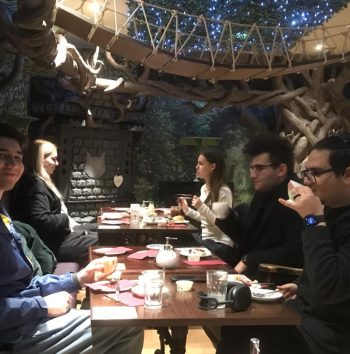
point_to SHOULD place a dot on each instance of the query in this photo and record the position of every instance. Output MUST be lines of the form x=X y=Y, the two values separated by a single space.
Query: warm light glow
x=94 y=7
x=319 y=47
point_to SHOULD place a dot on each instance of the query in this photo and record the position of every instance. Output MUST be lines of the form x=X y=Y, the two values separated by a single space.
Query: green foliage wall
x=159 y=157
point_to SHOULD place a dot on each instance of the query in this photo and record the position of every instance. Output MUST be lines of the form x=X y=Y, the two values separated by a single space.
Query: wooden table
x=118 y=234
x=136 y=266
x=180 y=309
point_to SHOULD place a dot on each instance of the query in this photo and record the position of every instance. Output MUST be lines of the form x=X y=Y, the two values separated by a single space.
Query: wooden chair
x=276 y=273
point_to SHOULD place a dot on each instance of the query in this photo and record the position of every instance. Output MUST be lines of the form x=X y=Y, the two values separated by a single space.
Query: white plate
x=182 y=222
x=155 y=246
x=138 y=290
x=114 y=215
x=238 y=277
x=265 y=295
x=187 y=251
x=148 y=221
x=109 y=251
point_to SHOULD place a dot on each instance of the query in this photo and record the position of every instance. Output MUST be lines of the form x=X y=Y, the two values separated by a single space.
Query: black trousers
x=75 y=247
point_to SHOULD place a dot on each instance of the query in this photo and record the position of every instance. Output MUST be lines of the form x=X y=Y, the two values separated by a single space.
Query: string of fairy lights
x=296 y=15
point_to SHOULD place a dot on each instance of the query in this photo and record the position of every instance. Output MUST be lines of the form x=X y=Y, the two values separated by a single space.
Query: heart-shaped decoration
x=118 y=180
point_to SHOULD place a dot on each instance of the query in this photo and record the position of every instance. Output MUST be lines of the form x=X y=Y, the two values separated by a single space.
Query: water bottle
x=254 y=346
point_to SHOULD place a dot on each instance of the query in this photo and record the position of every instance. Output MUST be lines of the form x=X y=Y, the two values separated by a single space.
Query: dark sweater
x=266 y=231
x=324 y=288
x=34 y=203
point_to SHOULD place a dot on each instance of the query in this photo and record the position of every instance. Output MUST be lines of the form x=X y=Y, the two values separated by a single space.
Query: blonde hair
x=38 y=150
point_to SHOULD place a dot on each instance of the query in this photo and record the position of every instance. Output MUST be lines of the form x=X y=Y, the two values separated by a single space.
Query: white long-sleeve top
x=207 y=217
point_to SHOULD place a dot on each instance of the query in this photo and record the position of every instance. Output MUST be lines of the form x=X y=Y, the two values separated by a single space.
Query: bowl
x=184 y=285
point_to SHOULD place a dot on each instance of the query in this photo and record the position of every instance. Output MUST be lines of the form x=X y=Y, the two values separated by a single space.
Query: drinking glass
x=217 y=285
x=134 y=212
x=153 y=294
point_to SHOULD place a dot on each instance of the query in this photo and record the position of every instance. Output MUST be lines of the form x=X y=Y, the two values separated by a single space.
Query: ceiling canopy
x=184 y=44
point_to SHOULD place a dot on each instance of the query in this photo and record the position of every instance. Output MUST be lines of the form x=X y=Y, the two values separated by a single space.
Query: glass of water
x=217 y=285
x=153 y=294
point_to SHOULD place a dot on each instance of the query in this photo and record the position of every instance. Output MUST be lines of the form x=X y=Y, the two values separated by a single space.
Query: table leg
x=176 y=340
x=179 y=336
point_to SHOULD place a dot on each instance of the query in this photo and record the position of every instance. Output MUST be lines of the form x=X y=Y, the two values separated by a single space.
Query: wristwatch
x=244 y=259
x=313 y=220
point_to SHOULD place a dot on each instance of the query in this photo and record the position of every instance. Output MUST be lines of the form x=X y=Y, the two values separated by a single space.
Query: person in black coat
x=321 y=295
x=266 y=231
x=36 y=201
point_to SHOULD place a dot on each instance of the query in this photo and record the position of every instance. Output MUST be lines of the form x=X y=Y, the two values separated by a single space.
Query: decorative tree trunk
x=310 y=103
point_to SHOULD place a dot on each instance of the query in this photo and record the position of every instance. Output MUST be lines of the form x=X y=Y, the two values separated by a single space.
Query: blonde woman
x=211 y=167
x=37 y=201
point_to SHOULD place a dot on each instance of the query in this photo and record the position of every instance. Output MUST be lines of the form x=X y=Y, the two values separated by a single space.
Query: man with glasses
x=266 y=231
x=321 y=295
x=35 y=312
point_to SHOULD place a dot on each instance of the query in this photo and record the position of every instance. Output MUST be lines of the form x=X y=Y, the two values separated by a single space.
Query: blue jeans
x=72 y=333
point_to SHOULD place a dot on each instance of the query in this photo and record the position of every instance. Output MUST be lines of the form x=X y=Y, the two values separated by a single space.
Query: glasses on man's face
x=311 y=174
x=260 y=167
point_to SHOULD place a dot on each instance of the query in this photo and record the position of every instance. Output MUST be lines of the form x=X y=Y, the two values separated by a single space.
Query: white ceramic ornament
x=118 y=180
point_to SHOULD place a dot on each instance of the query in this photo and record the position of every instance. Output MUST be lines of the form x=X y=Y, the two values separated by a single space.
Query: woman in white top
x=210 y=167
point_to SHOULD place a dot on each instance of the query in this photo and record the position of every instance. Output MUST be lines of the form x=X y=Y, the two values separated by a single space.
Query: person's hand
x=240 y=267
x=182 y=203
x=58 y=304
x=94 y=271
x=304 y=201
x=196 y=202
x=289 y=291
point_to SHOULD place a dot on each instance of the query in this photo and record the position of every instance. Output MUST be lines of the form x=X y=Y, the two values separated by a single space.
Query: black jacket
x=34 y=203
x=324 y=287
x=266 y=231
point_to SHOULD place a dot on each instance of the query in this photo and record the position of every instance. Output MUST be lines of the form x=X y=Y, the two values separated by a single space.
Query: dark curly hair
x=279 y=149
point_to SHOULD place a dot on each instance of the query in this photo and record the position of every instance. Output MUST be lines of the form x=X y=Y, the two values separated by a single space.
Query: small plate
x=187 y=251
x=155 y=246
x=138 y=290
x=150 y=222
x=182 y=222
x=265 y=295
x=114 y=215
x=109 y=251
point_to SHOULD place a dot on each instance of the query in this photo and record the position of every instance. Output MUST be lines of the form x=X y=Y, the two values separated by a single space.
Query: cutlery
x=268 y=293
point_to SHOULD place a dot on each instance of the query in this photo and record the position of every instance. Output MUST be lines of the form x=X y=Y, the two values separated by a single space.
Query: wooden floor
x=197 y=342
